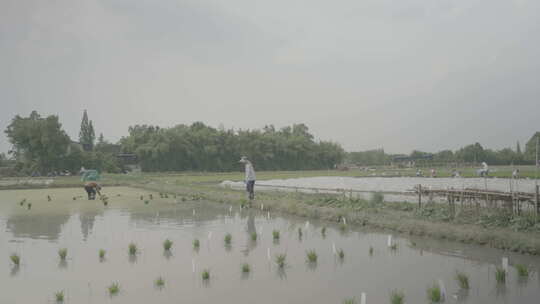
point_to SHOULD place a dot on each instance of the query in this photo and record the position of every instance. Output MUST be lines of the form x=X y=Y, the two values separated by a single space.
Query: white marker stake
x=268 y=214
x=344 y=221
x=443 y=290
x=334 y=248
x=390 y=240
x=262 y=206
x=363 y=298
x=505 y=264
x=193 y=211
x=268 y=254
x=193 y=265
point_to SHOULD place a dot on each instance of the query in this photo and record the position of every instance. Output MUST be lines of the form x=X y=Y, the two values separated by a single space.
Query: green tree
x=38 y=143
x=530 y=148
x=87 y=134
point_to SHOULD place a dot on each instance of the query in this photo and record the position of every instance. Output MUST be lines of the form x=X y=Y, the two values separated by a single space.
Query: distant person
x=485 y=170
x=433 y=173
x=91 y=189
x=250 y=178
x=515 y=173
x=418 y=172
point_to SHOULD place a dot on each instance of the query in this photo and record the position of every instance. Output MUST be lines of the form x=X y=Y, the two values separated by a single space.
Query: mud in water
x=84 y=227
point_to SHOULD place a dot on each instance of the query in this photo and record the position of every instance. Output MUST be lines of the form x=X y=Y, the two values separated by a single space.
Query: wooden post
x=419 y=196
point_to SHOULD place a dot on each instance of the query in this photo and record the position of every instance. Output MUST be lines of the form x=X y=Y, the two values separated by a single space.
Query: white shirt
x=250 y=172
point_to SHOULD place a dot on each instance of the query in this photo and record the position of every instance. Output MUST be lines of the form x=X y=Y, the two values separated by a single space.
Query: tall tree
x=87 y=134
x=530 y=147
x=518 y=148
x=38 y=143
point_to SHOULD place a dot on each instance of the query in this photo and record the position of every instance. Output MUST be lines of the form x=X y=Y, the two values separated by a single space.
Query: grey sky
x=398 y=74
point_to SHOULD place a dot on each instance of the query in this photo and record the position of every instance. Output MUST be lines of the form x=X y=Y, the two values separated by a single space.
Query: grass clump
x=132 y=249
x=349 y=301
x=500 y=275
x=254 y=236
x=522 y=270
x=206 y=274
x=228 y=239
x=311 y=256
x=341 y=253
x=15 y=259
x=246 y=268
x=434 y=293
x=462 y=280
x=102 y=253
x=59 y=296
x=114 y=288
x=167 y=245
x=159 y=282
x=196 y=244
x=397 y=297
x=275 y=235
x=62 y=253
x=281 y=260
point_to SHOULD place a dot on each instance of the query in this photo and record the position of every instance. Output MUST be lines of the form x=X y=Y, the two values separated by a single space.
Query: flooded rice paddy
x=84 y=227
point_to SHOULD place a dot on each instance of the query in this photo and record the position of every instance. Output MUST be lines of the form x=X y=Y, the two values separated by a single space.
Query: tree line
x=470 y=154
x=39 y=144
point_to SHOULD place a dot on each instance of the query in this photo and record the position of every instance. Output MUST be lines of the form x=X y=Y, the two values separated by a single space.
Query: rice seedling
x=141 y=197
x=22 y=202
x=159 y=282
x=370 y=250
x=397 y=297
x=62 y=253
x=275 y=234
x=254 y=236
x=434 y=293
x=228 y=239
x=166 y=195
x=196 y=244
x=150 y=196
x=146 y=202
x=102 y=254
x=349 y=301
x=522 y=270
x=161 y=195
x=281 y=260
x=132 y=248
x=49 y=198
x=311 y=256
x=300 y=233
x=59 y=296
x=323 y=232
x=462 y=280
x=394 y=246
x=114 y=288
x=206 y=275
x=246 y=268
x=341 y=253
x=167 y=244
x=15 y=259
x=74 y=198
x=29 y=206
x=500 y=275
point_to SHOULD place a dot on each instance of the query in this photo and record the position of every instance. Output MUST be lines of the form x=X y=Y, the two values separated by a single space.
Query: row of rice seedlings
x=397 y=297
x=349 y=301
x=311 y=256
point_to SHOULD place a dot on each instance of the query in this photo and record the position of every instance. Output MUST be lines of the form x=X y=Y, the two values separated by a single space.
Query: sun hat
x=244 y=159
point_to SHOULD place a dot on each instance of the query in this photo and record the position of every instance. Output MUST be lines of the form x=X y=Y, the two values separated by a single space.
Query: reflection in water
x=281 y=273
x=62 y=264
x=36 y=227
x=14 y=270
x=312 y=266
x=132 y=258
x=167 y=254
x=462 y=295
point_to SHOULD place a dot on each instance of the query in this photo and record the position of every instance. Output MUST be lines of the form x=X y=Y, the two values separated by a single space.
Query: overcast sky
x=398 y=74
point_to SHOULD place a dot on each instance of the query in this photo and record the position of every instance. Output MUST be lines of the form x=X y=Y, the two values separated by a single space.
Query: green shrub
x=462 y=280
x=397 y=297
x=434 y=293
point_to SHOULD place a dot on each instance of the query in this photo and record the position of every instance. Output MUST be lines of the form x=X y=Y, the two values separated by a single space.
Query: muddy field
x=84 y=227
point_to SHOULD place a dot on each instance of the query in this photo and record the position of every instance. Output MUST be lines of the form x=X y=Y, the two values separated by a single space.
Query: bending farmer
x=250 y=178
x=91 y=189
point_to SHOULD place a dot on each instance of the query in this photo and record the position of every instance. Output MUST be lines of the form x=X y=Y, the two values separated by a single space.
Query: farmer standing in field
x=250 y=178
x=90 y=177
